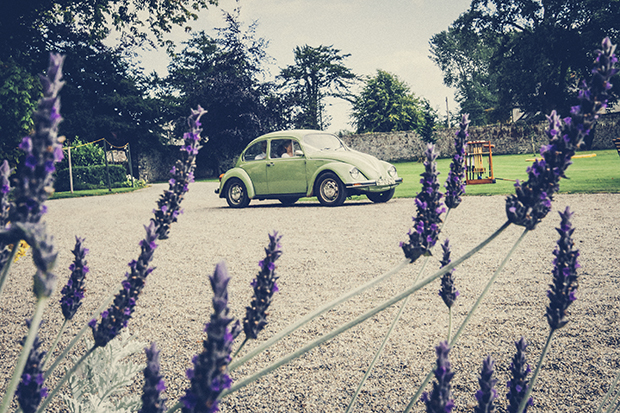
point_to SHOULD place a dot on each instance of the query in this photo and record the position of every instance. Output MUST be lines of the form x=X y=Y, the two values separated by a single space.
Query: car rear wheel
x=330 y=190
x=236 y=194
x=379 y=197
x=288 y=200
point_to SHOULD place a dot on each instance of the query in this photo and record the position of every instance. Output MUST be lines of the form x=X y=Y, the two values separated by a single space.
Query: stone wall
x=508 y=139
x=154 y=164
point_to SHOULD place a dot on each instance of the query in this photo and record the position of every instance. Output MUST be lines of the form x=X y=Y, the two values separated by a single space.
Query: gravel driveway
x=328 y=251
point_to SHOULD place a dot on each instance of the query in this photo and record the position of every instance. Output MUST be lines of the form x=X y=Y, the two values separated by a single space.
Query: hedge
x=90 y=177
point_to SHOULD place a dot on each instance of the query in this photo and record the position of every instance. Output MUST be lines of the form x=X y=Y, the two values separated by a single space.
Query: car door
x=286 y=168
x=255 y=161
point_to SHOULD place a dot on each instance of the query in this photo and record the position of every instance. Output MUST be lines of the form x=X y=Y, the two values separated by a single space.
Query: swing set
x=479 y=163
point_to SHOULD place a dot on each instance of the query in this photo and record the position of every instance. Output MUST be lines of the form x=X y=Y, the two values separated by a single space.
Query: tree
x=464 y=56
x=224 y=75
x=31 y=29
x=538 y=51
x=387 y=104
x=318 y=73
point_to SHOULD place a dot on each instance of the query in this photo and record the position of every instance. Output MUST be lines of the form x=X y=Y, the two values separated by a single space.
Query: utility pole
x=447 y=113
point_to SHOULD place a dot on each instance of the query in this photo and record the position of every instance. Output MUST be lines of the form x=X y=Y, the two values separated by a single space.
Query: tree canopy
x=387 y=104
x=225 y=76
x=318 y=73
x=526 y=54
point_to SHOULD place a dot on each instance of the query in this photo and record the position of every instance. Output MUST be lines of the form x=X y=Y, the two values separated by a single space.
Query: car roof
x=291 y=133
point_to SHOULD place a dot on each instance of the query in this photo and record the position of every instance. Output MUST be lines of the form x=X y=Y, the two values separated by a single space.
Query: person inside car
x=287 y=150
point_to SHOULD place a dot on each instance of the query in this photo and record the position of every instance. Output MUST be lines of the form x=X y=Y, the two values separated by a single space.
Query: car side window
x=256 y=152
x=284 y=148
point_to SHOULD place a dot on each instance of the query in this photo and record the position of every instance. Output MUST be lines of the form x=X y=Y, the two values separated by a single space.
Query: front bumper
x=377 y=183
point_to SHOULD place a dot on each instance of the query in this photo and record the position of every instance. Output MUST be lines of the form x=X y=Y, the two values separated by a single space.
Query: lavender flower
x=154 y=385
x=264 y=286
x=117 y=316
x=30 y=390
x=183 y=174
x=209 y=377
x=518 y=385
x=34 y=180
x=447 y=292
x=5 y=188
x=532 y=199
x=564 y=286
x=73 y=292
x=440 y=400
x=455 y=184
x=487 y=393
x=428 y=202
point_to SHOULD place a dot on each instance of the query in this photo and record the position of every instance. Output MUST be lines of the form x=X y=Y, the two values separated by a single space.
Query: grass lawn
x=587 y=175
x=90 y=192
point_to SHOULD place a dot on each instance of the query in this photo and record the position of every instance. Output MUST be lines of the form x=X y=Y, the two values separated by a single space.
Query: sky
x=391 y=35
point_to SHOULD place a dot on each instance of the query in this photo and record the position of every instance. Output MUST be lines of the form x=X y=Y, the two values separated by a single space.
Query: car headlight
x=355 y=174
x=392 y=171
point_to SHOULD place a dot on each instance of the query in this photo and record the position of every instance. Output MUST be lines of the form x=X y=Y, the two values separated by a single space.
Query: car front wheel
x=236 y=194
x=379 y=197
x=330 y=190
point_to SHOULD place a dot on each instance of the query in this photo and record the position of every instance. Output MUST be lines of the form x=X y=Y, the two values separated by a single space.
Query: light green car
x=288 y=165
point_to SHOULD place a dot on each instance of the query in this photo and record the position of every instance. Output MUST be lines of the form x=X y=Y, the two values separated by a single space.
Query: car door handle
x=270 y=164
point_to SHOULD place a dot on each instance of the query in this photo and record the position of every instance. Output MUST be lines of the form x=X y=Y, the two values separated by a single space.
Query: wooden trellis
x=479 y=163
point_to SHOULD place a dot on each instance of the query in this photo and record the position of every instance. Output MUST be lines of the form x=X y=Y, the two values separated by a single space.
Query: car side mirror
x=299 y=152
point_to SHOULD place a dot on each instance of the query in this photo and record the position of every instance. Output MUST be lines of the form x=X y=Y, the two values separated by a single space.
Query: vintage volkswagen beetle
x=288 y=165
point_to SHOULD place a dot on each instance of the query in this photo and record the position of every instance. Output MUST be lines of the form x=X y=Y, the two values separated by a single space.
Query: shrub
x=91 y=177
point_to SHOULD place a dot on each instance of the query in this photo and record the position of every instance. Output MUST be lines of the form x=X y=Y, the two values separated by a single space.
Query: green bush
x=90 y=177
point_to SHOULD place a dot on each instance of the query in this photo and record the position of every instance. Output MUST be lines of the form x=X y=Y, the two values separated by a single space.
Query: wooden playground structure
x=479 y=163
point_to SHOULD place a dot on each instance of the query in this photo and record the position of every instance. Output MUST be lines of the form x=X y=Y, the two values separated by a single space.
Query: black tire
x=236 y=194
x=330 y=190
x=380 y=197
x=288 y=200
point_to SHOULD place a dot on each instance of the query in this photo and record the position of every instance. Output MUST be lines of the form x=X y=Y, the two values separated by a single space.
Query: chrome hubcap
x=329 y=189
x=236 y=193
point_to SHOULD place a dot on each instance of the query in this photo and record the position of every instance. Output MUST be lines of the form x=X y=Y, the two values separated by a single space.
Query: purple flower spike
x=210 y=373
x=440 y=400
x=429 y=206
x=487 y=393
x=455 y=184
x=518 y=384
x=564 y=285
x=169 y=202
x=5 y=188
x=532 y=199
x=34 y=180
x=264 y=286
x=447 y=292
x=30 y=390
x=117 y=316
x=152 y=402
x=73 y=292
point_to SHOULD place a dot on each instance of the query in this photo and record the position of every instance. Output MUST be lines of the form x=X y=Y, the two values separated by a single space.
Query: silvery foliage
x=104 y=376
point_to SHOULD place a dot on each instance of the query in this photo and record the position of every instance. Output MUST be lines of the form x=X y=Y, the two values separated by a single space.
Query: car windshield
x=323 y=141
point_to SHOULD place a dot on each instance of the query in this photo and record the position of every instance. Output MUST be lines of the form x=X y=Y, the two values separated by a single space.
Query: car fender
x=339 y=168
x=239 y=174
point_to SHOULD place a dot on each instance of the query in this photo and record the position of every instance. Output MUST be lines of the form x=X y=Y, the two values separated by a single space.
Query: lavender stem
x=64 y=379
x=23 y=357
x=609 y=393
x=55 y=343
x=363 y=317
x=371 y=366
x=471 y=312
x=7 y=266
